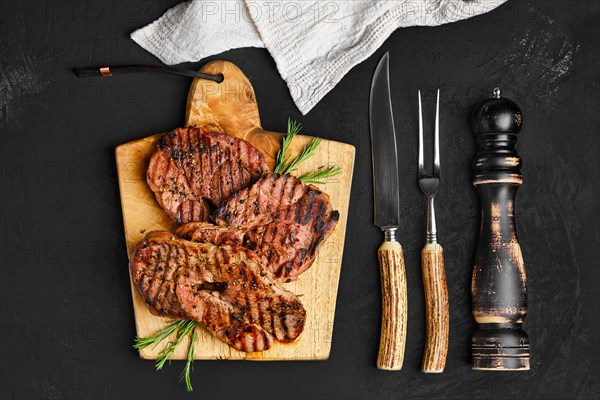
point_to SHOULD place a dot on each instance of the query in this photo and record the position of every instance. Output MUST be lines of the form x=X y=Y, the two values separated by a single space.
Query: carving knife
x=387 y=218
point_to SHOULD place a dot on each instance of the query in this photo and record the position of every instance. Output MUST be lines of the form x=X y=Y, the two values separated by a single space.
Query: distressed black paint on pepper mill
x=499 y=287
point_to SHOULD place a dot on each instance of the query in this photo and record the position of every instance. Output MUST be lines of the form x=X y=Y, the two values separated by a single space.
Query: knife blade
x=383 y=149
x=386 y=191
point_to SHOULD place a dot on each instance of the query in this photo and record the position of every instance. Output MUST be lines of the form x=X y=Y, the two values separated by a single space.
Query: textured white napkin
x=314 y=43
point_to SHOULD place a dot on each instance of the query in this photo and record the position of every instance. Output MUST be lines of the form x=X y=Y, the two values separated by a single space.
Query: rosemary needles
x=285 y=166
x=319 y=176
x=181 y=329
x=281 y=163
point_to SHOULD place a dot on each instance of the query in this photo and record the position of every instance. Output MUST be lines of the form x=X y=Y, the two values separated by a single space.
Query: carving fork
x=432 y=260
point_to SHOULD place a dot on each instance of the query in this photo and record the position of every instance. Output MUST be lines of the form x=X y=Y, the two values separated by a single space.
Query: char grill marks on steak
x=279 y=217
x=285 y=249
x=248 y=309
x=195 y=168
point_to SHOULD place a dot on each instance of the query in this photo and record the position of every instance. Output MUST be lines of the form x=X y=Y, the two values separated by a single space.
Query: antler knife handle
x=394 y=308
x=499 y=287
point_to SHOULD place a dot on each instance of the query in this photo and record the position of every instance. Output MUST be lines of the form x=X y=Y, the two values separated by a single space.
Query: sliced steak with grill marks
x=205 y=232
x=279 y=217
x=285 y=249
x=195 y=168
x=222 y=287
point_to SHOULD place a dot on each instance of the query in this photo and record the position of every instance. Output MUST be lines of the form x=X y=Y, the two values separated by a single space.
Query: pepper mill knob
x=497 y=115
x=499 y=287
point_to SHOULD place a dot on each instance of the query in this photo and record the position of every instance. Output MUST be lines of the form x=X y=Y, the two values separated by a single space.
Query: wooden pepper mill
x=499 y=287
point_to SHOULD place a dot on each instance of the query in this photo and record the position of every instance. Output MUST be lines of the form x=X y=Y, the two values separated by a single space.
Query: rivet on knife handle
x=394 y=305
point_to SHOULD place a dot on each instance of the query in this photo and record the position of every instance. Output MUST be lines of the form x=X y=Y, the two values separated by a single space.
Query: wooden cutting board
x=231 y=107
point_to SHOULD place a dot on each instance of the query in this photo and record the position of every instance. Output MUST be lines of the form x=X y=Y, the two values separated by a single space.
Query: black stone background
x=67 y=320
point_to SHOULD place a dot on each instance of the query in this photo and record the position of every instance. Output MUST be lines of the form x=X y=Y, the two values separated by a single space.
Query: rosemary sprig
x=285 y=166
x=159 y=336
x=319 y=176
x=292 y=130
x=185 y=374
x=187 y=327
x=183 y=329
x=306 y=153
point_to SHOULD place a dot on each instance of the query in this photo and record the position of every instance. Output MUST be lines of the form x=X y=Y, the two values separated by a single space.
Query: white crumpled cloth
x=314 y=43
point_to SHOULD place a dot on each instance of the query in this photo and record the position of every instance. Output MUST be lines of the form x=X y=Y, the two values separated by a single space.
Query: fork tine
x=421 y=161
x=436 y=157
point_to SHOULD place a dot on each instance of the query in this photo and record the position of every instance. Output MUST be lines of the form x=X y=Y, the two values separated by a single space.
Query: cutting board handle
x=230 y=107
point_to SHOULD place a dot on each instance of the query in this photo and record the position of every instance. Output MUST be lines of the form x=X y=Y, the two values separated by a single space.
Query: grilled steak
x=277 y=197
x=205 y=232
x=285 y=249
x=222 y=287
x=279 y=217
x=194 y=169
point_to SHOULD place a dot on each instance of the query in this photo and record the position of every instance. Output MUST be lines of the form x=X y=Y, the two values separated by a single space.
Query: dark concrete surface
x=67 y=320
